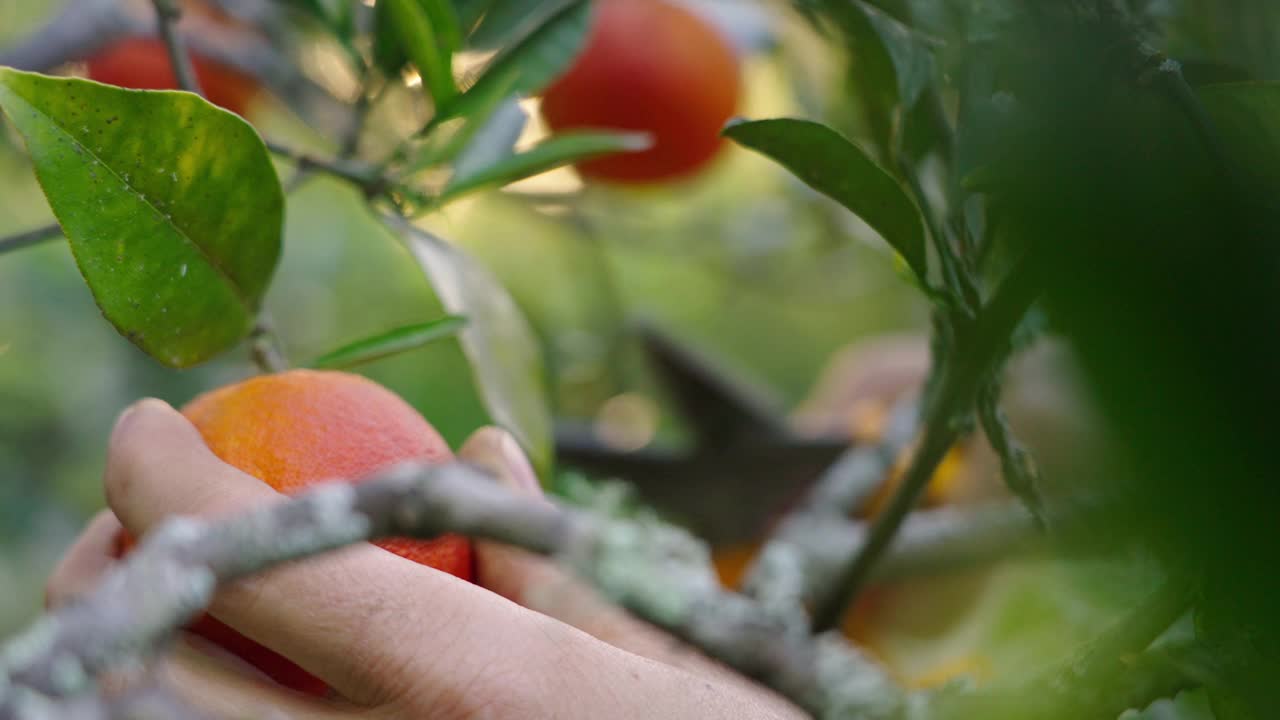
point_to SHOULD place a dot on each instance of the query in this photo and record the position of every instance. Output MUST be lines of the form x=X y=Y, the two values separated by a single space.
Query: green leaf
x=495 y=22
x=471 y=12
x=890 y=63
x=172 y=207
x=443 y=146
x=837 y=168
x=910 y=55
x=503 y=350
x=494 y=140
x=547 y=155
x=403 y=339
x=1247 y=116
x=428 y=35
x=544 y=51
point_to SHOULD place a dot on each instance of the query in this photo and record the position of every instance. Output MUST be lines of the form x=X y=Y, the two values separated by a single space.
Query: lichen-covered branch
x=659 y=572
x=790 y=568
x=979 y=345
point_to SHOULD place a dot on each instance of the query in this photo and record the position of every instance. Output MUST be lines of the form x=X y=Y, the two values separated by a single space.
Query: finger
x=91 y=554
x=224 y=691
x=497 y=452
x=362 y=619
x=541 y=585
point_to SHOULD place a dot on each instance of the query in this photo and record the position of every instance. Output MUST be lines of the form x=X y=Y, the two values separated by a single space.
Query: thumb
x=497 y=452
x=508 y=571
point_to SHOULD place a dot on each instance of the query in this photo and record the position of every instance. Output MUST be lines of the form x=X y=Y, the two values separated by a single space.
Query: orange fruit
x=648 y=66
x=295 y=429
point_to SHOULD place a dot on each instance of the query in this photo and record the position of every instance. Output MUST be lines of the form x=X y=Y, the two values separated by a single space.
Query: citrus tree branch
x=980 y=345
x=365 y=177
x=659 y=572
x=787 y=569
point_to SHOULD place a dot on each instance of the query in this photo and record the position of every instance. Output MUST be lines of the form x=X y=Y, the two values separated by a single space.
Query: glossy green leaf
x=545 y=49
x=504 y=353
x=389 y=54
x=910 y=55
x=471 y=13
x=835 y=167
x=493 y=141
x=495 y=21
x=443 y=145
x=172 y=207
x=1247 y=116
x=890 y=64
x=403 y=339
x=428 y=39
x=547 y=155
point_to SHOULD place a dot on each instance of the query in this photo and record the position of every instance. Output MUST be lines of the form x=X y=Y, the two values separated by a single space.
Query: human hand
x=391 y=637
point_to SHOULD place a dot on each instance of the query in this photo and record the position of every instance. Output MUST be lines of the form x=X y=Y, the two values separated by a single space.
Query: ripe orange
x=142 y=63
x=297 y=428
x=648 y=66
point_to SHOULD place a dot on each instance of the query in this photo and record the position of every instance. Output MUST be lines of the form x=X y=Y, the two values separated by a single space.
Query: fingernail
x=130 y=416
x=518 y=463
x=497 y=452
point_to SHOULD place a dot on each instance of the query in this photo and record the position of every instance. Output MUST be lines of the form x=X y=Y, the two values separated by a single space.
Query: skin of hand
x=393 y=638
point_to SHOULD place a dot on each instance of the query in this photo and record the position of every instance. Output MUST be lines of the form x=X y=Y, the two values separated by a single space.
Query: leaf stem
x=264 y=346
x=365 y=177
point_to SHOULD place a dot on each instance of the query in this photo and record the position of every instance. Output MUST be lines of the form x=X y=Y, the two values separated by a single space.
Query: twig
x=167 y=15
x=1169 y=71
x=952 y=539
x=29 y=238
x=786 y=567
x=366 y=177
x=264 y=346
x=980 y=345
x=659 y=572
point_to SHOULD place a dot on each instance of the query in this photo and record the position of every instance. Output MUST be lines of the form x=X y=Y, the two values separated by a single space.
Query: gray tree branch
x=787 y=568
x=980 y=344
x=657 y=571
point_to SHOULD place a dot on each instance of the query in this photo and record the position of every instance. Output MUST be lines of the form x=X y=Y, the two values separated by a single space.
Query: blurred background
x=743 y=261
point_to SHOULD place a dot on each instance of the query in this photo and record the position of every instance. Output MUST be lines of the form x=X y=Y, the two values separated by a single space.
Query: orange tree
x=1008 y=152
